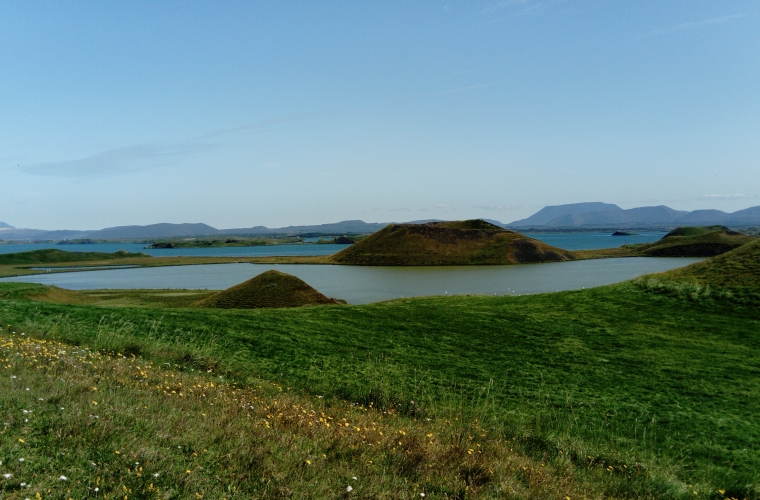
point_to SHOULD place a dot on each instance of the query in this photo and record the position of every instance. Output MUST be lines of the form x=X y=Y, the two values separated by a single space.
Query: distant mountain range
x=608 y=216
x=166 y=230
x=581 y=216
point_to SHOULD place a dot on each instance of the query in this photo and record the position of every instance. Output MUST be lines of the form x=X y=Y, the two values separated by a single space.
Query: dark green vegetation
x=447 y=243
x=215 y=242
x=53 y=255
x=635 y=394
x=268 y=289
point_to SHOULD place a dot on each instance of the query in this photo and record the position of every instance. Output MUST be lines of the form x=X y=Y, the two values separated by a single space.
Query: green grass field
x=614 y=392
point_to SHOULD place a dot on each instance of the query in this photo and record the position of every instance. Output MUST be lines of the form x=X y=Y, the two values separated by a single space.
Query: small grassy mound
x=470 y=242
x=53 y=255
x=695 y=242
x=268 y=289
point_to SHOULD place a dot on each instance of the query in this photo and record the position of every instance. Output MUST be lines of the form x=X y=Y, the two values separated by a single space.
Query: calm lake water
x=568 y=241
x=361 y=285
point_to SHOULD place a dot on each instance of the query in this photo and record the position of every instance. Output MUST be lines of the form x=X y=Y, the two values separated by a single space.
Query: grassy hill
x=733 y=275
x=447 y=243
x=695 y=242
x=53 y=255
x=689 y=241
x=268 y=289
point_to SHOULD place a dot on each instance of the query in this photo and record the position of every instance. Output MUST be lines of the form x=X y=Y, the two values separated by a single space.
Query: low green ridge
x=697 y=230
x=51 y=255
x=469 y=242
x=732 y=275
x=268 y=289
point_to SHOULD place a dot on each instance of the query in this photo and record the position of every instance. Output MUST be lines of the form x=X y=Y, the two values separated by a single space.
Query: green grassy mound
x=268 y=289
x=470 y=242
x=697 y=230
x=53 y=255
x=694 y=242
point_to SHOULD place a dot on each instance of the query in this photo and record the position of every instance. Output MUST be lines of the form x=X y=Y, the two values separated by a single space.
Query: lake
x=568 y=241
x=361 y=285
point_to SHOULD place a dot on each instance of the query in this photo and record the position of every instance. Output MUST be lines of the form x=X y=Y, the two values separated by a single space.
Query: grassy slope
x=268 y=289
x=472 y=242
x=733 y=275
x=106 y=298
x=612 y=372
x=117 y=426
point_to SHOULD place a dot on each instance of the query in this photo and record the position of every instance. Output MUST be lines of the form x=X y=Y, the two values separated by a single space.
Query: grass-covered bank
x=616 y=375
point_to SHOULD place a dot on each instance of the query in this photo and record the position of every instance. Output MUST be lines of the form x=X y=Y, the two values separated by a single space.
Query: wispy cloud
x=463 y=89
x=148 y=155
x=506 y=4
x=719 y=197
x=499 y=207
x=519 y=7
x=695 y=24
x=126 y=159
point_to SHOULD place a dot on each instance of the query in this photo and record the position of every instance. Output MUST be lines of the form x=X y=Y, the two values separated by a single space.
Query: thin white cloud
x=695 y=24
x=498 y=6
x=519 y=7
x=149 y=155
x=499 y=207
x=737 y=196
x=463 y=89
x=119 y=160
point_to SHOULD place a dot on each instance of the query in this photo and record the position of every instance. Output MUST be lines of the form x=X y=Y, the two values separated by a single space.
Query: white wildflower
x=349 y=489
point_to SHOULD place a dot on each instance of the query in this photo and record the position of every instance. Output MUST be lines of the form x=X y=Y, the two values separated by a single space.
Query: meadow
x=624 y=391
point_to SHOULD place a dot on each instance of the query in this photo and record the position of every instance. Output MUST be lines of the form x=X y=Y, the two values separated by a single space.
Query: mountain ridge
x=582 y=216
x=640 y=217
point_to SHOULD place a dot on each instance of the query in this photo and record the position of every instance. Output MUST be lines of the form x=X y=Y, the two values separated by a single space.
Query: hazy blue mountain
x=40 y=234
x=747 y=212
x=641 y=217
x=547 y=214
x=346 y=226
x=162 y=230
x=705 y=218
x=3 y=225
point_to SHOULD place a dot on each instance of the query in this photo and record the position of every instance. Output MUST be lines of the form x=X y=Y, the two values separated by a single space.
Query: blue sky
x=245 y=113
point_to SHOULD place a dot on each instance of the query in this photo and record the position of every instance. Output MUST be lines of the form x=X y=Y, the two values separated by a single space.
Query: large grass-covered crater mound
x=469 y=242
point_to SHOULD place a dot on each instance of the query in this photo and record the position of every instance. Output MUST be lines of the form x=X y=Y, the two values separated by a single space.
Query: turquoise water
x=361 y=285
x=568 y=241
x=590 y=241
